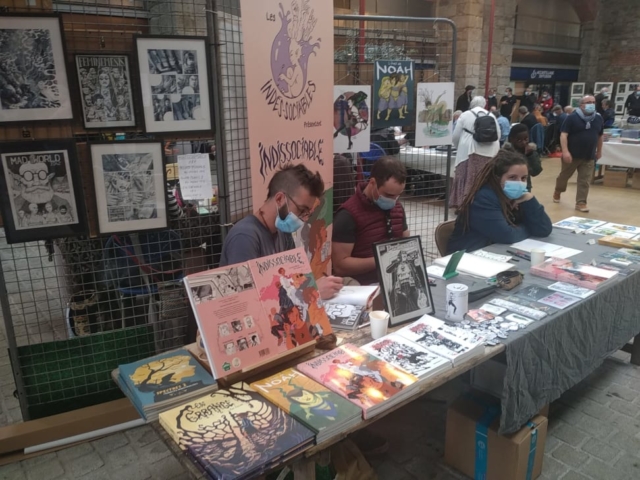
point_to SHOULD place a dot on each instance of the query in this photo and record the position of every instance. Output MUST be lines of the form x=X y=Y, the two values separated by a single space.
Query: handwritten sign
x=195 y=176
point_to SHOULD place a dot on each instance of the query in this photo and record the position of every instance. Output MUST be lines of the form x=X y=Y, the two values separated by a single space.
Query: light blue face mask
x=289 y=224
x=590 y=108
x=385 y=203
x=514 y=189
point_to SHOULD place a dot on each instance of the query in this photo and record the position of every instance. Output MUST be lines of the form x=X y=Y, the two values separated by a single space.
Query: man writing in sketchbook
x=292 y=194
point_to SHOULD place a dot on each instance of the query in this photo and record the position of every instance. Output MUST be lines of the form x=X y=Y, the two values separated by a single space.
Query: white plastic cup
x=537 y=256
x=379 y=321
x=456 y=301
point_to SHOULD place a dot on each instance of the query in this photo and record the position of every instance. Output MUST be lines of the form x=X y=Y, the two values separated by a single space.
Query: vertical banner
x=351 y=118
x=434 y=114
x=288 y=55
x=393 y=90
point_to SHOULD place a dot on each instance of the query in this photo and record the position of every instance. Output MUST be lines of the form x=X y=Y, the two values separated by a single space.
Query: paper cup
x=379 y=321
x=537 y=256
x=457 y=301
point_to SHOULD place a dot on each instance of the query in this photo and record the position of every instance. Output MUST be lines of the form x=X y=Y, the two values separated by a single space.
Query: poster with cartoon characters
x=393 y=93
x=351 y=117
x=288 y=58
x=40 y=190
x=434 y=114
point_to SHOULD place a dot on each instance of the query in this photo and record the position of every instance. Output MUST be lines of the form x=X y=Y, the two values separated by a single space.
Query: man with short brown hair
x=373 y=214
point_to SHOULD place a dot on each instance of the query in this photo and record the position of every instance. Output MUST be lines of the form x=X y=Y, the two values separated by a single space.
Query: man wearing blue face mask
x=581 y=140
x=371 y=215
x=291 y=197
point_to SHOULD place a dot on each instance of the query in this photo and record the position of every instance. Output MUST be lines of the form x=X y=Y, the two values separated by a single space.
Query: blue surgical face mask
x=384 y=203
x=590 y=108
x=638 y=94
x=513 y=189
x=290 y=224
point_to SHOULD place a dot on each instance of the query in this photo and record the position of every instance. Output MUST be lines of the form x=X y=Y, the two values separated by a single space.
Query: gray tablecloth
x=554 y=354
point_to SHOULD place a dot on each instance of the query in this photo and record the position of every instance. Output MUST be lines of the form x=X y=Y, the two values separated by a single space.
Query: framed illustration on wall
x=175 y=83
x=129 y=180
x=34 y=77
x=41 y=190
x=600 y=85
x=403 y=278
x=106 y=92
x=577 y=89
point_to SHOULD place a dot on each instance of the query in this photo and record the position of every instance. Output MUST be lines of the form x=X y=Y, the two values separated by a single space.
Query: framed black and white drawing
x=577 y=89
x=403 y=278
x=600 y=85
x=174 y=82
x=105 y=91
x=41 y=190
x=33 y=76
x=129 y=186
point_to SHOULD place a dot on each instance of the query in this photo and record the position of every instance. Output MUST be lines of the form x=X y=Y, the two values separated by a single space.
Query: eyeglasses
x=303 y=212
x=29 y=175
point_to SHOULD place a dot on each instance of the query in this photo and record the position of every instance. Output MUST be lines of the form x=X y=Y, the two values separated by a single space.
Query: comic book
x=575 y=273
x=252 y=312
x=617 y=241
x=370 y=383
x=345 y=317
x=407 y=355
x=315 y=406
x=234 y=433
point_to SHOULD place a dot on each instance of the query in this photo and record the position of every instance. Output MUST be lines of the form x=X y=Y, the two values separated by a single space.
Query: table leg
x=304 y=469
x=635 y=351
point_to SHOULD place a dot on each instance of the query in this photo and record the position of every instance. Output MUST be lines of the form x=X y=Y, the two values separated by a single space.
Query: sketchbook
x=477 y=266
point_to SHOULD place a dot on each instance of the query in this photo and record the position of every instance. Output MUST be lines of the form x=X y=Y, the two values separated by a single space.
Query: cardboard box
x=615 y=178
x=506 y=457
x=635 y=182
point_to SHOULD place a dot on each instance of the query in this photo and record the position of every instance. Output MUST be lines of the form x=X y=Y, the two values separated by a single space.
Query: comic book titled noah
x=251 y=312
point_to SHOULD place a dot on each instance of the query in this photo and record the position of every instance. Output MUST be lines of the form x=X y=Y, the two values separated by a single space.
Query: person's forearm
x=348 y=266
x=564 y=143
x=600 y=142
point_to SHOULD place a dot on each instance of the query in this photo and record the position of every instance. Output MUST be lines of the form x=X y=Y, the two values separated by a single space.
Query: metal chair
x=443 y=234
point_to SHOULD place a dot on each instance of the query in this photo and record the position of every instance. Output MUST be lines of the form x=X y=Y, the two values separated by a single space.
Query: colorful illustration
x=393 y=90
x=358 y=376
x=434 y=120
x=344 y=317
x=575 y=273
x=578 y=223
x=351 y=118
x=306 y=400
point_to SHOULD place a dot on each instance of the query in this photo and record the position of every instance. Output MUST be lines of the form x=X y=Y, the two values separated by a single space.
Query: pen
x=519 y=254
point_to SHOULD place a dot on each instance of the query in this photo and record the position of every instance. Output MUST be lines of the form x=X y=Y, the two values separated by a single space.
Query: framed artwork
x=105 y=91
x=600 y=85
x=41 y=190
x=622 y=88
x=351 y=118
x=175 y=83
x=434 y=115
x=129 y=181
x=577 y=89
x=34 y=77
x=393 y=93
x=575 y=102
x=403 y=279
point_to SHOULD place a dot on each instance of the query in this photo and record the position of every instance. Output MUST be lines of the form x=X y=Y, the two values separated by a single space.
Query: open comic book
x=252 y=312
x=575 y=273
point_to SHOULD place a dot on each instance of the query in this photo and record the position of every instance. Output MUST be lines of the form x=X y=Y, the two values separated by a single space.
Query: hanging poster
x=434 y=116
x=288 y=55
x=393 y=90
x=351 y=107
x=105 y=91
x=33 y=75
x=174 y=81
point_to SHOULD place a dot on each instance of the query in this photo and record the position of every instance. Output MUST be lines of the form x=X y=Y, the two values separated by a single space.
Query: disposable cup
x=379 y=321
x=537 y=256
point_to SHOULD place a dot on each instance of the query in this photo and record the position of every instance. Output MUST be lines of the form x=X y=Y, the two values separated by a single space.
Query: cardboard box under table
x=474 y=447
x=615 y=177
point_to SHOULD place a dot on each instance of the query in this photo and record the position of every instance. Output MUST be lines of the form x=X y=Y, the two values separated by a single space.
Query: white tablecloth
x=620 y=155
x=428 y=159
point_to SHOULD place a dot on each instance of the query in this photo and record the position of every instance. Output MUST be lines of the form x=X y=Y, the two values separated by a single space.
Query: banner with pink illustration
x=288 y=55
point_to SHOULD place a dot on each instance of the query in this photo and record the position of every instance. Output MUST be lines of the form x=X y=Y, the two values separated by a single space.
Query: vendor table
x=554 y=354
x=428 y=159
x=620 y=155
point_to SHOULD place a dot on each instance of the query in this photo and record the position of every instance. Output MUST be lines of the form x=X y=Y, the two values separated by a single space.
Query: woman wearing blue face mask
x=498 y=208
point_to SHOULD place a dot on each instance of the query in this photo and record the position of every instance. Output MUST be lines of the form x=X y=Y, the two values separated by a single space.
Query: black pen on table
x=520 y=255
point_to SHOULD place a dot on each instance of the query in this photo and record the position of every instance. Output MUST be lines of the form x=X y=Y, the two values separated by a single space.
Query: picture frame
x=130 y=186
x=38 y=81
x=600 y=85
x=106 y=90
x=575 y=102
x=577 y=89
x=175 y=83
x=403 y=279
x=55 y=208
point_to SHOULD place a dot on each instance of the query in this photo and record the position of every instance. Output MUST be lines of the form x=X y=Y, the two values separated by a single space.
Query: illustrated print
x=351 y=119
x=230 y=348
x=223 y=330
x=248 y=322
x=434 y=119
x=452 y=308
x=292 y=48
x=393 y=89
x=242 y=344
x=202 y=293
x=408 y=292
x=254 y=340
x=236 y=325
x=159 y=374
x=403 y=355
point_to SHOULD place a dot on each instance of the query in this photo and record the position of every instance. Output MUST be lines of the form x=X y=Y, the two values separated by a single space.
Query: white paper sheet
x=529 y=244
x=194 y=172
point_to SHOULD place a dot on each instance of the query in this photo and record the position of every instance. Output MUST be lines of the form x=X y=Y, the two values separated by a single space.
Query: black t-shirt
x=530 y=120
x=633 y=105
x=506 y=109
x=583 y=141
x=344 y=227
x=528 y=101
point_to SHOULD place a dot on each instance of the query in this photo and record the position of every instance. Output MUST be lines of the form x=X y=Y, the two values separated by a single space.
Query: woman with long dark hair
x=498 y=208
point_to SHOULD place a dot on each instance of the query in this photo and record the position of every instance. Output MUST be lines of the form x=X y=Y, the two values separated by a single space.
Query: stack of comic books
x=432 y=334
x=161 y=382
x=319 y=409
x=367 y=381
x=254 y=312
x=235 y=434
x=575 y=273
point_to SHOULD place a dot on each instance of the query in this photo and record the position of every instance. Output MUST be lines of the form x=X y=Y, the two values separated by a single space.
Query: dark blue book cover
x=163 y=377
x=242 y=438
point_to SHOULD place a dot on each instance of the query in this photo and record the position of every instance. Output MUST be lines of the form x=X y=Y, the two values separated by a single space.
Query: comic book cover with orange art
x=358 y=376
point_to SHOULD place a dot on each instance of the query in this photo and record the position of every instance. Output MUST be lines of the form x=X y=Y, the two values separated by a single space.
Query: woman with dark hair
x=518 y=141
x=498 y=208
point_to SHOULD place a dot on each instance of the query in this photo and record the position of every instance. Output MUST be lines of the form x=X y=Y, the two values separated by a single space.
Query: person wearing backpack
x=477 y=140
